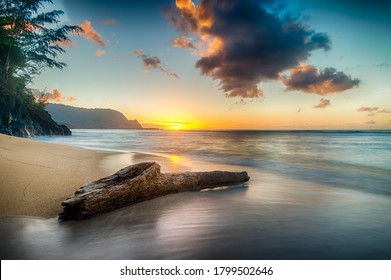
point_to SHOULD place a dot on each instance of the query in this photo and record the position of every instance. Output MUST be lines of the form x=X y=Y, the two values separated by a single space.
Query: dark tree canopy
x=30 y=39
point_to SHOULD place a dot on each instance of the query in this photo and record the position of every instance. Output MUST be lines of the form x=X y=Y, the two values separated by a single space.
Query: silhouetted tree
x=30 y=40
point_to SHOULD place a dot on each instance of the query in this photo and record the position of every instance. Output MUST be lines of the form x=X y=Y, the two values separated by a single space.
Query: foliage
x=30 y=40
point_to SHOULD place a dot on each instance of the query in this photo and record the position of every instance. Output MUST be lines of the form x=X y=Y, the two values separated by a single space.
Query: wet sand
x=268 y=218
x=35 y=177
x=273 y=216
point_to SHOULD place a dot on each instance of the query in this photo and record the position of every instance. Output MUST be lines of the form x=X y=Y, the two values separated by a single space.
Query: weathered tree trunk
x=138 y=183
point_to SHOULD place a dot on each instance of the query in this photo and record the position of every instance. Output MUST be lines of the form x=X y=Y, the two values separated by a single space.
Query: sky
x=228 y=64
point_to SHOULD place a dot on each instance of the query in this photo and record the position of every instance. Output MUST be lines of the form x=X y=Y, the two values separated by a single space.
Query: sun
x=176 y=127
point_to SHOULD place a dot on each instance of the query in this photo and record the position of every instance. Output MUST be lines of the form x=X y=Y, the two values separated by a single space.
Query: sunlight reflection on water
x=272 y=218
x=310 y=196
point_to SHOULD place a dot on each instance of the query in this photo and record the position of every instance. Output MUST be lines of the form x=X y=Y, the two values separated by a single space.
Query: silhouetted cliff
x=75 y=117
x=21 y=116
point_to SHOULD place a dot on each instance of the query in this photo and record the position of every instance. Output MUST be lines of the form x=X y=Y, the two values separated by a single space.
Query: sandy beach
x=295 y=205
x=35 y=177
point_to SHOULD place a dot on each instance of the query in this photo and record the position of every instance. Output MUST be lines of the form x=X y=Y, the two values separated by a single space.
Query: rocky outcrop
x=76 y=117
x=24 y=119
x=138 y=183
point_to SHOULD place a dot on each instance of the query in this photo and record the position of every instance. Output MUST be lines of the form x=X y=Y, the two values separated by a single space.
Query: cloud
x=371 y=122
x=367 y=109
x=374 y=110
x=100 y=53
x=71 y=98
x=182 y=42
x=65 y=43
x=109 y=22
x=138 y=52
x=91 y=34
x=153 y=63
x=45 y=97
x=308 y=78
x=54 y=96
x=323 y=103
x=243 y=43
x=172 y=74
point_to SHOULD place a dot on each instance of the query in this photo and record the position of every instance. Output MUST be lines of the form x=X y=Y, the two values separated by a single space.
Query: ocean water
x=347 y=159
x=312 y=195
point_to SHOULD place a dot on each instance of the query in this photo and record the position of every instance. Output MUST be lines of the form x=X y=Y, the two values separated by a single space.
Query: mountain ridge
x=95 y=118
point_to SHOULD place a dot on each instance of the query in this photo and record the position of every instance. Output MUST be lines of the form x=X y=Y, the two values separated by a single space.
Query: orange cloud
x=308 y=78
x=91 y=34
x=244 y=43
x=138 y=52
x=65 y=43
x=100 y=53
x=57 y=95
x=196 y=19
x=54 y=96
x=26 y=26
x=71 y=98
x=182 y=42
x=45 y=97
x=323 y=103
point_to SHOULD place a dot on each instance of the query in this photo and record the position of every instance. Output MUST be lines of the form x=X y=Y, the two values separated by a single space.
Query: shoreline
x=278 y=215
x=35 y=177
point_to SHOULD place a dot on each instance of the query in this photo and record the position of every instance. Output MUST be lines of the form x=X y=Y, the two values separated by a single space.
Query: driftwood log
x=138 y=183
